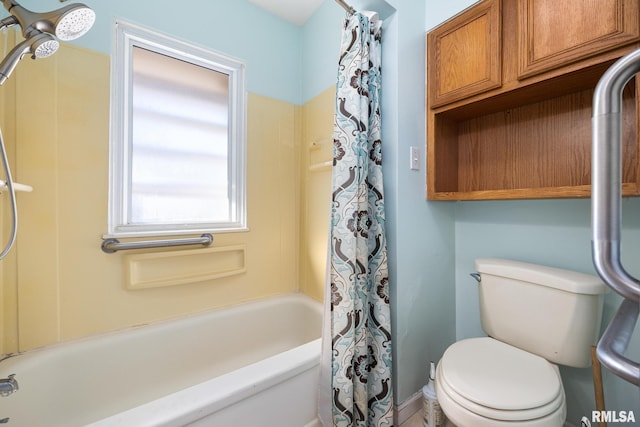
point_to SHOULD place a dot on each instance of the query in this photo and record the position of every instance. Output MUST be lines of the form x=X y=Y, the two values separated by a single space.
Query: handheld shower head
x=67 y=23
x=39 y=45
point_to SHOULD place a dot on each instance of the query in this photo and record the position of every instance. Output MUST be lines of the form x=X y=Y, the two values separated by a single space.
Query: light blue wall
x=553 y=232
x=549 y=232
x=421 y=234
x=321 y=49
x=269 y=46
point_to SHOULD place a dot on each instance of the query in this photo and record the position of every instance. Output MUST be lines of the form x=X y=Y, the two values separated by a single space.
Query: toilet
x=536 y=318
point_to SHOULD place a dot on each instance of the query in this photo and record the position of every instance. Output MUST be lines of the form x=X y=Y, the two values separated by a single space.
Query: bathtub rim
x=193 y=403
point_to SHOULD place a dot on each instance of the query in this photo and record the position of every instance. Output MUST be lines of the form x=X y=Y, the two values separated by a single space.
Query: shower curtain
x=357 y=377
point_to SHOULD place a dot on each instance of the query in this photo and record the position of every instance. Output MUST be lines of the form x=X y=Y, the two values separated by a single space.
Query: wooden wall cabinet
x=466 y=54
x=524 y=131
x=554 y=33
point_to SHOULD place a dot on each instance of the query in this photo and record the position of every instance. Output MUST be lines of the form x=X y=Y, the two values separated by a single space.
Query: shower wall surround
x=60 y=285
x=316 y=154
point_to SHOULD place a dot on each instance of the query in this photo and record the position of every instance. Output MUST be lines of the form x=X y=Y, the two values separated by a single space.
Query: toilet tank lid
x=566 y=280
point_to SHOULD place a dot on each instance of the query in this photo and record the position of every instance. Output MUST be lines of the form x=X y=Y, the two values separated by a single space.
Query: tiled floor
x=414 y=421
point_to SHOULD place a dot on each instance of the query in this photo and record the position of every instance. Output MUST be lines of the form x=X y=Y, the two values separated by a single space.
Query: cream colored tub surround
x=57 y=284
x=316 y=161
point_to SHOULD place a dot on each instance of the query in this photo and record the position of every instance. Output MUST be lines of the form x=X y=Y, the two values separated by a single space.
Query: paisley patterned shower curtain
x=359 y=297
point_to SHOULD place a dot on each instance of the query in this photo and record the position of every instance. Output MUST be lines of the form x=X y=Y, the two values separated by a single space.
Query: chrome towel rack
x=606 y=217
x=113 y=245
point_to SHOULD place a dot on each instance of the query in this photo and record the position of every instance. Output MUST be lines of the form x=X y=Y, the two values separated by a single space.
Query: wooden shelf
x=538 y=150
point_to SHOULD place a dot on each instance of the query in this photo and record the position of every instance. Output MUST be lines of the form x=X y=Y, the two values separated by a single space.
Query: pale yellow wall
x=317 y=155
x=60 y=285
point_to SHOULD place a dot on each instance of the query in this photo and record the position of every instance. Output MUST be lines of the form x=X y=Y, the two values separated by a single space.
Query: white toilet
x=536 y=317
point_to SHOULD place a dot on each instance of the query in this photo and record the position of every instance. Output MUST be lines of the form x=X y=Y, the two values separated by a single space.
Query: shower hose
x=12 y=196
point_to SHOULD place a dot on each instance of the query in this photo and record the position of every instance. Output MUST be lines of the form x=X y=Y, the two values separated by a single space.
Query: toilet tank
x=551 y=312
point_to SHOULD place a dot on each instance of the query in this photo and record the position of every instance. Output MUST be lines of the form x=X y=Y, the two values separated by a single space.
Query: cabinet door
x=556 y=33
x=464 y=54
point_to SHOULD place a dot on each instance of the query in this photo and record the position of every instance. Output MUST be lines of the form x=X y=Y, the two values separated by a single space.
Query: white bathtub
x=255 y=364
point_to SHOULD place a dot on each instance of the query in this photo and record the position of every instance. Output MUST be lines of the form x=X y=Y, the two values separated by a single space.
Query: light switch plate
x=414 y=153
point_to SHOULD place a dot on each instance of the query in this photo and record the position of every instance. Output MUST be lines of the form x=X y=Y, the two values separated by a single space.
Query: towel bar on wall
x=113 y=245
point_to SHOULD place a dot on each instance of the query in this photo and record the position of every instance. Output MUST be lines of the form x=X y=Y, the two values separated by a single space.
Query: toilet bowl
x=536 y=318
x=482 y=382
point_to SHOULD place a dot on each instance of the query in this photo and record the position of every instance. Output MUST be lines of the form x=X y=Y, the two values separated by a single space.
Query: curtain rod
x=346 y=6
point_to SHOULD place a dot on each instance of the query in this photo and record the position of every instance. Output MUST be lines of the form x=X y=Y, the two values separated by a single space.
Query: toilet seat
x=500 y=382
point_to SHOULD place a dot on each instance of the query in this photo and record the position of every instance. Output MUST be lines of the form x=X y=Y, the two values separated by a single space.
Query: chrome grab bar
x=606 y=218
x=112 y=245
x=615 y=340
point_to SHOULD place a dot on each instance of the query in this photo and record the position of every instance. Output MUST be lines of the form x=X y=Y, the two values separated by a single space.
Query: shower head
x=67 y=23
x=40 y=45
x=75 y=22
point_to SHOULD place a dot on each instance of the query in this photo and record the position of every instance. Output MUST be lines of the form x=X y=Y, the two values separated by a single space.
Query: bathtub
x=254 y=364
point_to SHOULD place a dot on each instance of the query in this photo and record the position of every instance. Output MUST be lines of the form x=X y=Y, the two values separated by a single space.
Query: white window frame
x=127 y=36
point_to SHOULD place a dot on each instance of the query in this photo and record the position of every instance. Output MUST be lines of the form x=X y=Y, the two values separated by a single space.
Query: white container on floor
x=432 y=413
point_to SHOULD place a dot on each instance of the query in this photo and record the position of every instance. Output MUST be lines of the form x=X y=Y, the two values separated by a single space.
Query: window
x=177 y=161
